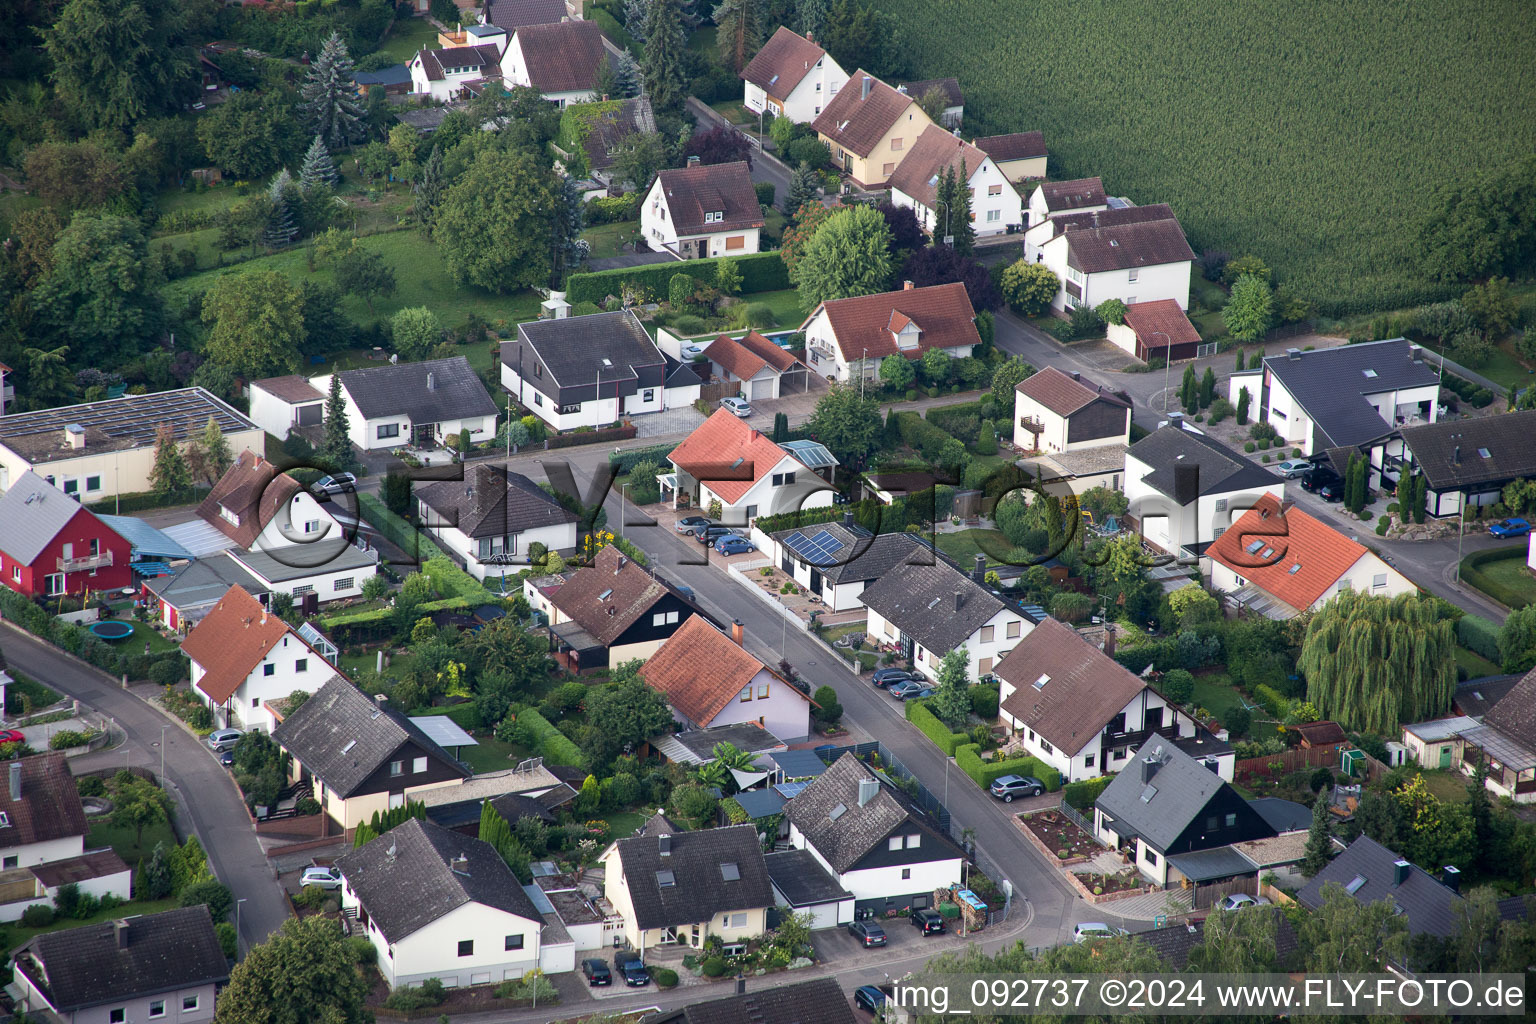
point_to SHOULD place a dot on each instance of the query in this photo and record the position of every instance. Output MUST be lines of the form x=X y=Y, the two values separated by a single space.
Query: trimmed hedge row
x=1479 y=635
x=1081 y=795
x=396 y=530
x=142 y=501
x=760 y=272
x=802 y=517
x=1472 y=572
x=968 y=758
x=623 y=462
x=548 y=742
x=78 y=640
x=1275 y=702
x=579 y=437
x=921 y=436
x=929 y=725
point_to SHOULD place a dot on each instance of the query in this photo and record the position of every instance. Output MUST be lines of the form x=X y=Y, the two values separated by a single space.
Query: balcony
x=85 y=562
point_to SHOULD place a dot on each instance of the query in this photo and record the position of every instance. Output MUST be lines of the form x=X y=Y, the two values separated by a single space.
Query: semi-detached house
x=420 y=403
x=995 y=204
x=703 y=210
x=50 y=545
x=1055 y=198
x=1130 y=262
x=610 y=612
x=1020 y=155
x=869 y=127
x=791 y=76
x=1042 y=227
x=560 y=60
x=444 y=74
x=929 y=610
x=1062 y=412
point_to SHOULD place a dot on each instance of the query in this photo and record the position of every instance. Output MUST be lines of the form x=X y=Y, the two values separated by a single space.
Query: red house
x=52 y=545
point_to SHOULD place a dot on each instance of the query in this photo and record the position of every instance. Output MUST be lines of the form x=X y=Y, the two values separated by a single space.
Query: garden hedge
x=929 y=725
x=1479 y=635
x=1472 y=572
x=1276 y=703
x=78 y=640
x=548 y=742
x=624 y=461
x=921 y=436
x=968 y=758
x=760 y=272
x=396 y=530
x=1082 y=794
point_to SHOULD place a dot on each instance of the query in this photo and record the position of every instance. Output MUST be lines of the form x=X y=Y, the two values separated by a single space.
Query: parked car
x=1240 y=901
x=1006 y=787
x=888 y=676
x=336 y=483
x=631 y=968
x=911 y=688
x=710 y=534
x=1318 y=478
x=1090 y=931
x=867 y=932
x=597 y=973
x=927 y=921
x=227 y=758
x=1332 y=491
x=1293 y=468
x=867 y=997
x=691 y=524
x=733 y=545
x=12 y=736
x=737 y=405
x=224 y=739
x=325 y=878
x=1510 y=528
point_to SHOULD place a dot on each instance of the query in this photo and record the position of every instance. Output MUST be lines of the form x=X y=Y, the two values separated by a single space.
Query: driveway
x=668 y=422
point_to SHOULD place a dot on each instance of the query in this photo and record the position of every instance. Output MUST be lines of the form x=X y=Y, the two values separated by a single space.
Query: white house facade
x=703 y=211
x=995 y=204
x=791 y=77
x=1134 y=263
x=419 y=403
x=501 y=947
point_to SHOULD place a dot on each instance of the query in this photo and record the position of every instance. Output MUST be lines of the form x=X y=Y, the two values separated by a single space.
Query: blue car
x=733 y=545
x=868 y=997
x=1510 y=528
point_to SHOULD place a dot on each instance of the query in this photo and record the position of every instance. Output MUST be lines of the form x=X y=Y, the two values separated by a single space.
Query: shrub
x=1476 y=634
x=535 y=732
x=1081 y=795
x=215 y=895
x=1249 y=447
x=1178 y=686
x=167 y=672
x=665 y=977
x=1238 y=719
x=760 y=272
x=984 y=701
x=39 y=915
x=714 y=967
x=431 y=993
x=929 y=725
x=90 y=785
x=1276 y=704
x=688 y=325
x=968 y=759
x=64 y=739
x=362 y=950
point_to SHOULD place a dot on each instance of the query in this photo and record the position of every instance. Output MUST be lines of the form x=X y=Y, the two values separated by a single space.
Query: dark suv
x=710 y=534
x=927 y=921
x=1319 y=478
x=631 y=968
x=867 y=932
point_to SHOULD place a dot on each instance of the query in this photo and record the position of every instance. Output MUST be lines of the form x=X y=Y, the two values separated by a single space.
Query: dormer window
x=229 y=517
x=714 y=217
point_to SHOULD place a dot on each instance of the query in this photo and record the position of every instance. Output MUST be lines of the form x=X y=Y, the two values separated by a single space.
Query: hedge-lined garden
x=935 y=730
x=84 y=644
x=1484 y=569
x=760 y=272
x=984 y=773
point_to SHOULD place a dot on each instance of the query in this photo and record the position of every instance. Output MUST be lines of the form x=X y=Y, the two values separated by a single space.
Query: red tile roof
x=782 y=62
x=711 y=188
x=943 y=312
x=935 y=150
x=231 y=641
x=858 y=122
x=1074 y=194
x=1063 y=394
x=562 y=57
x=253 y=491
x=1148 y=318
x=1018 y=146
x=701 y=671
x=49 y=805
x=435 y=62
x=1285 y=541
x=1124 y=246
x=727 y=455
x=608 y=596
x=773 y=355
x=736 y=359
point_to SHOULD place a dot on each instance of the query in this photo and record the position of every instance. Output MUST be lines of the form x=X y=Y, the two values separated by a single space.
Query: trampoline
x=111 y=629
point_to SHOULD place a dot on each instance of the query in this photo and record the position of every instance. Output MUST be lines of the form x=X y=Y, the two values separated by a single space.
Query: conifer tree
x=1319 y=846
x=1189 y=391
x=317 y=168
x=802 y=189
x=215 y=449
x=1207 y=388
x=960 y=198
x=170 y=474
x=740 y=31
x=280 y=229
x=664 y=46
x=336 y=447
x=811 y=16
x=626 y=76
x=329 y=96
x=429 y=189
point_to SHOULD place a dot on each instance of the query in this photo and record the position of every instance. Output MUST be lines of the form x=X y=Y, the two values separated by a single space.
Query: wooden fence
x=1294 y=759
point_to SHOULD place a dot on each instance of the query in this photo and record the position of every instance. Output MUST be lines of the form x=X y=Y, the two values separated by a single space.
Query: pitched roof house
x=1156 y=329
x=757 y=363
x=688 y=886
x=860 y=830
x=1497 y=724
x=818 y=1001
x=258 y=507
x=1369 y=873
x=1047 y=228
x=728 y=461
x=608 y=125
x=491 y=518
x=836 y=561
x=1054 y=198
x=279 y=404
x=790 y=76
x=166 y=965
x=1280 y=561
x=613 y=611
x=1471 y=460
x=52 y=545
x=511 y=15
x=184 y=597
x=952 y=111
x=847 y=338
x=414 y=403
x=559 y=60
x=703 y=210
x=868 y=125
x=709 y=679
x=932 y=609
x=437 y=904
x=1021 y=155
x=995 y=204
x=1061 y=412
x=1082 y=712
x=443 y=74
x=1186 y=488
x=1135 y=262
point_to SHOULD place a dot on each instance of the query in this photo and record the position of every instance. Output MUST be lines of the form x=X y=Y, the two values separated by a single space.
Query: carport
x=803 y=885
x=1213 y=874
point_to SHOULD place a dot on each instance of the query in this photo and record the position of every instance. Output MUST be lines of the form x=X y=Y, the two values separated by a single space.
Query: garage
x=804 y=886
x=761 y=389
x=309 y=415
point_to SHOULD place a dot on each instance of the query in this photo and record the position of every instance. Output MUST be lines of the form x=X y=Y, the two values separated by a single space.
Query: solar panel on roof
x=818 y=549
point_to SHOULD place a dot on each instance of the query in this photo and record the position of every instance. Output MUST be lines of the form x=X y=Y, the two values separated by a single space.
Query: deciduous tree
x=74 y=175
x=1517 y=640
x=849 y=255
x=896 y=371
x=847 y=423
x=416 y=331
x=250 y=135
x=1029 y=288
x=1006 y=378
x=257 y=323
x=495 y=224
x=951 y=700
x=1250 y=310
x=304 y=973
x=102 y=295
x=364 y=273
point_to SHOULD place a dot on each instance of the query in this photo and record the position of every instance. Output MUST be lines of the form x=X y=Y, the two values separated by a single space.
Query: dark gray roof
x=343 y=737
x=204 y=582
x=1282 y=815
x=117 y=424
x=574 y=348
x=276 y=570
x=491 y=502
x=800 y=879
x=845 y=837
x=395 y=74
x=747 y=736
x=699 y=889
x=407 y=878
x=1181 y=788
x=760 y=803
x=514 y=14
x=863 y=557
x=1428 y=906
x=1475 y=696
x=1210 y=865
x=456 y=391
x=1331 y=385
x=1514 y=714
x=1221 y=469
x=33 y=511
x=799 y=764
x=1174 y=943
x=818 y=1001
x=921 y=599
x=1451 y=455
x=82 y=967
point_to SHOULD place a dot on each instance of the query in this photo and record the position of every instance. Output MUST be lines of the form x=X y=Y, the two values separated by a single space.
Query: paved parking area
x=681 y=420
x=902 y=940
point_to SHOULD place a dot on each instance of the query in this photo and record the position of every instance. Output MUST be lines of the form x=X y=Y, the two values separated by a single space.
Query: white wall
x=248 y=702
x=990 y=214
x=877 y=883
x=330 y=585
x=33 y=854
x=808 y=98
x=828 y=361
x=432 y=951
x=1140 y=284
x=785 y=711
x=594 y=412
x=561 y=537
x=1038 y=211
x=657 y=226
x=272 y=414
x=1053 y=438
x=763 y=498
x=1288 y=418
x=302 y=517
x=979 y=651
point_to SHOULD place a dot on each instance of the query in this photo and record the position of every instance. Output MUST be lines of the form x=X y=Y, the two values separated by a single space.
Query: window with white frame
x=738 y=920
x=188 y=1003
x=896 y=843
x=418 y=765
x=914 y=841
x=156 y=1008
x=312 y=526
x=345 y=583
x=762 y=691
x=1135 y=273
x=55 y=584
x=994 y=216
x=1379 y=580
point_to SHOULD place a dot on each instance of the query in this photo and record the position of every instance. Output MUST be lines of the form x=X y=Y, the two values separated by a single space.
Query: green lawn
x=622 y=824
x=1208 y=293
x=1448 y=786
x=19 y=935
x=122 y=839
x=785 y=305
x=964 y=546
x=734 y=111
x=143 y=633
x=606 y=238
x=399 y=663
x=1504 y=366
x=1511 y=576
x=1216 y=694
x=1475 y=665
x=407 y=36
x=491 y=755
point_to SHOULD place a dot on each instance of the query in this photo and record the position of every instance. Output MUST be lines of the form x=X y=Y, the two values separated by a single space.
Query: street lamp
x=863 y=368
x=622 y=488
x=940 y=202
x=237 y=923
x=162 y=755
x=1167 y=362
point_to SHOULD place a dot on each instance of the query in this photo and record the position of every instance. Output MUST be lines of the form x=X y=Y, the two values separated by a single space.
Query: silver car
x=737 y=405
x=325 y=878
x=221 y=740
x=1292 y=468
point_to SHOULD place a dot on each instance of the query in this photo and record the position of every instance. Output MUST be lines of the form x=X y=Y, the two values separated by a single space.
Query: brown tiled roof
x=96 y=864
x=1064 y=395
x=490 y=502
x=701 y=671
x=1127 y=245
x=608 y=596
x=942 y=311
x=512 y=15
x=935 y=150
x=1074 y=194
x=1084 y=688
x=49 y=807
x=1148 y=318
x=292 y=388
x=727 y=453
x=1295 y=538
x=562 y=57
x=738 y=360
x=1320 y=734
x=1110 y=218
x=1018 y=146
x=611 y=127
x=253 y=491
x=858 y=122
x=434 y=62
x=711 y=188
x=949 y=86
x=230 y=641
x=773 y=355
x=1514 y=714
x=782 y=62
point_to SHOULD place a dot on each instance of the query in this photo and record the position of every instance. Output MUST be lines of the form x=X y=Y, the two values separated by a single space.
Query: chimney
x=959 y=599
x=741 y=985
x=1150 y=765
x=1399 y=872
x=737 y=632
x=1416 y=353
x=1293 y=354
x=864 y=86
x=485 y=491
x=120 y=932
x=979 y=574
x=693 y=161
x=15 y=781
x=1451 y=876
x=459 y=865
x=847 y=519
x=868 y=790
x=1109 y=639
x=623 y=561
x=74 y=436
x=379 y=699
x=431 y=381
x=907 y=286
x=810 y=36
x=1186 y=484
x=664 y=845
x=902 y=89
x=1076 y=376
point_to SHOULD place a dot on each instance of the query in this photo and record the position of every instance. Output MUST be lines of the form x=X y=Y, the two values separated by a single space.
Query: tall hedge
x=1477 y=634
x=1472 y=572
x=968 y=758
x=929 y=725
x=760 y=272
x=78 y=640
x=547 y=741
x=624 y=461
x=1081 y=795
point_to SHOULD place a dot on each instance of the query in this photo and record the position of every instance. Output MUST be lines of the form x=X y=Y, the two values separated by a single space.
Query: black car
x=889 y=676
x=868 y=997
x=927 y=921
x=1331 y=491
x=868 y=933
x=1319 y=478
x=631 y=968
x=597 y=973
x=710 y=534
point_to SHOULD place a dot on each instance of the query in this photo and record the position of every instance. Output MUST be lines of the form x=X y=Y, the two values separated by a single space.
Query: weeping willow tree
x=1372 y=662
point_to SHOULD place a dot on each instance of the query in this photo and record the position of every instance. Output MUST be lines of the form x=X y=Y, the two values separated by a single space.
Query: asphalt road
x=764 y=168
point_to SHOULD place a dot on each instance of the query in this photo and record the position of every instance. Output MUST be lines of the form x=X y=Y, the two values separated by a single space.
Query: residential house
x=871 y=841
x=101 y=449
x=576 y=920
x=757 y=364
x=846 y=339
x=323 y=571
x=726 y=460
x=279 y=404
x=182 y=598
x=437 y=904
x=1060 y=412
x=559 y=60
x=709 y=679
x=995 y=204
x=703 y=210
x=358 y=756
x=1498 y=723
x=444 y=74
x=1158 y=329
x=790 y=76
x=242 y=656
x=592 y=371
x=1468 y=462
x=1369 y=873
x=683 y=888
x=1176 y=816
x=613 y=611
x=1020 y=156
x=818 y=1001
x=1173 y=944
x=887 y=487
x=869 y=126
x=1134 y=263
x=926 y=611
x=1044 y=229
x=1083 y=713
x=1281 y=561
x=836 y=561
x=165 y=966
x=491 y=518
x=511 y=15
x=1054 y=198
x=421 y=403
x=1186 y=488
x=608 y=125
x=1351 y=396
x=51 y=545
x=947 y=90
x=800 y=883
x=262 y=509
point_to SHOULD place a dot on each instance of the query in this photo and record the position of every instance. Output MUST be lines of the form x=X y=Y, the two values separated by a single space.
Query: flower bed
x=1057 y=833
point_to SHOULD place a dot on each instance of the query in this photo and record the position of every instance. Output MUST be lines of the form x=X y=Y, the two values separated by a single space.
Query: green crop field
x=1307 y=133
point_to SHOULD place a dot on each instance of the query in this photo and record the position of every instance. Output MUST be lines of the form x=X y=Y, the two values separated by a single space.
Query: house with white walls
x=869 y=126
x=1186 y=488
x=724 y=460
x=995 y=204
x=930 y=610
x=791 y=76
x=764 y=370
x=444 y=74
x=703 y=210
x=279 y=404
x=947 y=92
x=489 y=520
x=612 y=611
x=1054 y=198
x=559 y=60
x=836 y=561
x=1042 y=229
x=1134 y=263
x=845 y=339
x=1020 y=156
x=1056 y=411
x=1469 y=461
x=422 y=403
